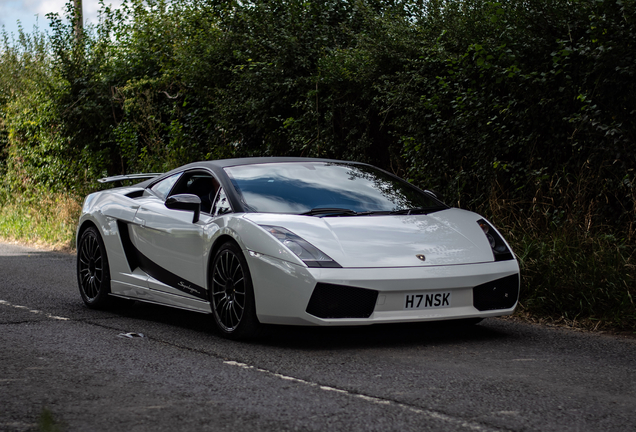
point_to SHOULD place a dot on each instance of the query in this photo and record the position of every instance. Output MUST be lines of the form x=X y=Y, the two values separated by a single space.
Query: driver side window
x=201 y=184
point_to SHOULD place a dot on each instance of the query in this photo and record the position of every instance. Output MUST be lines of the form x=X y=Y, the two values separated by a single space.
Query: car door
x=171 y=246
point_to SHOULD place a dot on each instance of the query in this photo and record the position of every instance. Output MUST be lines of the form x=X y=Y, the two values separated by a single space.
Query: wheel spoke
x=236 y=315
x=91 y=288
x=224 y=317
x=90 y=247
x=222 y=302
x=84 y=253
x=237 y=269
x=237 y=304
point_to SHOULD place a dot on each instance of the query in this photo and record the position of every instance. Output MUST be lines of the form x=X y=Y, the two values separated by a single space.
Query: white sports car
x=295 y=241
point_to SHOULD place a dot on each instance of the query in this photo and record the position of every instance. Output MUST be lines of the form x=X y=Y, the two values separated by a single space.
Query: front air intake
x=498 y=294
x=339 y=301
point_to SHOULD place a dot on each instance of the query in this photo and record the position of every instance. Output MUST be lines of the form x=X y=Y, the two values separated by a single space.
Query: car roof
x=224 y=163
x=216 y=166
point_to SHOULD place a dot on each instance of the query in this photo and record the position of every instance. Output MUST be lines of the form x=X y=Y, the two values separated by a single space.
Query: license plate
x=430 y=300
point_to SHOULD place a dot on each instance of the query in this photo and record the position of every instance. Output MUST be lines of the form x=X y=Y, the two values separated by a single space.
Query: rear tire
x=93 y=272
x=232 y=294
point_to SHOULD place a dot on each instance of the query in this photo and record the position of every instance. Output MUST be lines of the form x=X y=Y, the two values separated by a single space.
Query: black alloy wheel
x=232 y=294
x=93 y=273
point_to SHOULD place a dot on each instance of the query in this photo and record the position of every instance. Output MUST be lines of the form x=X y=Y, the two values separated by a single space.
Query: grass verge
x=578 y=280
x=45 y=221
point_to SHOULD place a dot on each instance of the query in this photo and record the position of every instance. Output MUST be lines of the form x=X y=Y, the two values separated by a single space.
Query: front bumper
x=283 y=291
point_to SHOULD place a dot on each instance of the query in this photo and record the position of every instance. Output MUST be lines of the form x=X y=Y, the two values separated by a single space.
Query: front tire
x=93 y=272
x=232 y=294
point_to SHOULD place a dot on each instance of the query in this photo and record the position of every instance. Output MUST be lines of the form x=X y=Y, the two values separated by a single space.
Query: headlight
x=308 y=253
x=499 y=249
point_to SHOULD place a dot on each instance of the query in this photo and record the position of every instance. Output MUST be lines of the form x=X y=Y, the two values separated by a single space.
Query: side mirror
x=188 y=202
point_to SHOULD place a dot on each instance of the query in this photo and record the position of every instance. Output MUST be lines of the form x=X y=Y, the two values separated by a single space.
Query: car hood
x=448 y=237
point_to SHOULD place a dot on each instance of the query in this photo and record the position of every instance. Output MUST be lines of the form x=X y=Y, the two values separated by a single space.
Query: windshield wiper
x=329 y=212
x=374 y=212
x=418 y=210
x=325 y=211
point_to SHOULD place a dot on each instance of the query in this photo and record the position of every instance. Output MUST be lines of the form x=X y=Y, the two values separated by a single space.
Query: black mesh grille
x=498 y=294
x=339 y=301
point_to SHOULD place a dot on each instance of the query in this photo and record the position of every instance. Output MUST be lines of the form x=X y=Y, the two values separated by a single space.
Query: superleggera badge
x=187 y=287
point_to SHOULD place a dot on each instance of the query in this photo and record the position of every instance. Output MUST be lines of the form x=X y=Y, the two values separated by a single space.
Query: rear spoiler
x=128 y=177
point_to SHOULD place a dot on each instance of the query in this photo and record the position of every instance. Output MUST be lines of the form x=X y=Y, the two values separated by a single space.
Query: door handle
x=139 y=221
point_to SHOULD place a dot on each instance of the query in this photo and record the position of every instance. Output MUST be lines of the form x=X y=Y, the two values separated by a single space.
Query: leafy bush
x=522 y=110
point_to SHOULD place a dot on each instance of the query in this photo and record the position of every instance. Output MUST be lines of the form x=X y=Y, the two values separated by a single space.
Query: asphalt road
x=58 y=356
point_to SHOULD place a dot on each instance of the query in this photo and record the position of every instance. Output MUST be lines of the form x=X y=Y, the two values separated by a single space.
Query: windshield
x=321 y=188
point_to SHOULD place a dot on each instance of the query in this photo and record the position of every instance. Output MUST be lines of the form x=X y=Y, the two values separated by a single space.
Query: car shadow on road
x=310 y=338
x=389 y=335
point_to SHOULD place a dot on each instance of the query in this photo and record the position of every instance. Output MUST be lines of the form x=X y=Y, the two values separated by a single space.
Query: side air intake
x=498 y=294
x=339 y=301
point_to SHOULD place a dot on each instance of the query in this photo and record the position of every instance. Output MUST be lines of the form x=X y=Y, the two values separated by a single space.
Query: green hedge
x=522 y=110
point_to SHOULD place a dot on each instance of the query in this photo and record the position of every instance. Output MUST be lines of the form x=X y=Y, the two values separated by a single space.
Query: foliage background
x=522 y=110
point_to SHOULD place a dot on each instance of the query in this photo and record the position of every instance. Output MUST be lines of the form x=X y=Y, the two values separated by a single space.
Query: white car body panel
x=170 y=239
x=389 y=241
x=376 y=252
